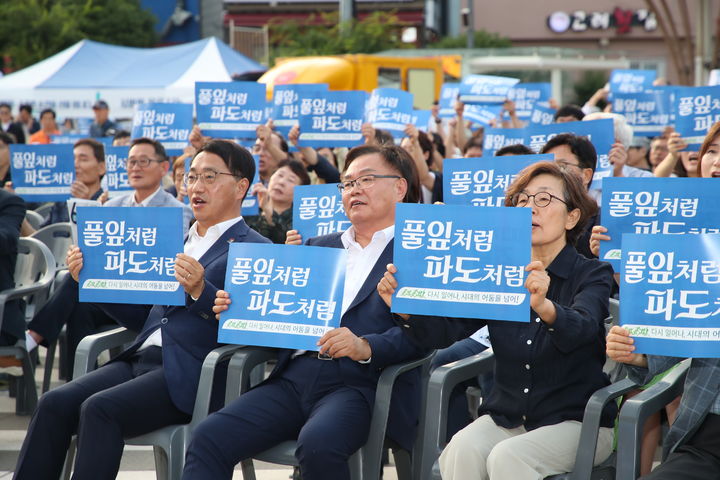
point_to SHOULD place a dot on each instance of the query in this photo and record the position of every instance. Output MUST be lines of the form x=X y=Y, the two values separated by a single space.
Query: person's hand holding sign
x=537 y=283
x=190 y=274
x=222 y=300
x=74 y=261
x=387 y=286
x=619 y=347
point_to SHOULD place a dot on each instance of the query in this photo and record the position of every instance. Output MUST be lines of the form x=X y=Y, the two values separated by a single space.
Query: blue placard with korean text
x=483 y=181
x=671 y=294
x=482 y=114
x=448 y=96
x=647 y=112
x=483 y=89
x=116 y=171
x=286 y=103
x=421 y=119
x=250 y=205
x=527 y=95
x=696 y=110
x=283 y=296
x=129 y=254
x=230 y=109
x=600 y=132
x=168 y=123
x=390 y=109
x=318 y=210
x=656 y=206
x=42 y=173
x=631 y=81
x=497 y=138
x=541 y=115
x=462 y=261
x=332 y=119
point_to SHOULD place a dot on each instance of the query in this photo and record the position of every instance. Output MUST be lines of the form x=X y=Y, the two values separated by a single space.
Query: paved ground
x=137 y=463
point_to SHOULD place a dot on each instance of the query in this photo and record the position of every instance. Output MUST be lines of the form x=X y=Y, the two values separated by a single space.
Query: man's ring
x=187 y=277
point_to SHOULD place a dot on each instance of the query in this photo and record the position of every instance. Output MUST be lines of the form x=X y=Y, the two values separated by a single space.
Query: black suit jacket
x=12 y=213
x=369 y=317
x=16 y=130
x=189 y=332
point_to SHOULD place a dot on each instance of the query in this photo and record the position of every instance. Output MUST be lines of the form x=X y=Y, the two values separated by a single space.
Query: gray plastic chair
x=444 y=379
x=636 y=411
x=34 y=273
x=169 y=443
x=366 y=463
x=34 y=219
x=44 y=209
x=58 y=238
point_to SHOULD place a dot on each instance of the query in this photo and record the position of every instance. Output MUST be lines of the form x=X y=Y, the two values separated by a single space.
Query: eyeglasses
x=541 y=199
x=363 y=182
x=141 y=162
x=565 y=166
x=208 y=177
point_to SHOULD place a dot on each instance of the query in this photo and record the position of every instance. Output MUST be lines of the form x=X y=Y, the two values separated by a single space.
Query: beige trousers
x=483 y=451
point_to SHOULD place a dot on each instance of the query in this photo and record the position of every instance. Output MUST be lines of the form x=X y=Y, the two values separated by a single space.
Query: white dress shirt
x=196 y=246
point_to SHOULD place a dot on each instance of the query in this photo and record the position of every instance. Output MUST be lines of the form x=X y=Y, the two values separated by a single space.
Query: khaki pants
x=483 y=451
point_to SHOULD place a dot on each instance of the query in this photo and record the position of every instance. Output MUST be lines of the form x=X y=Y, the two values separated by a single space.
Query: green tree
x=322 y=35
x=483 y=39
x=32 y=30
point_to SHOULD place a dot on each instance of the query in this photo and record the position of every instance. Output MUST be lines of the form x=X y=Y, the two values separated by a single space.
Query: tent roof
x=89 y=64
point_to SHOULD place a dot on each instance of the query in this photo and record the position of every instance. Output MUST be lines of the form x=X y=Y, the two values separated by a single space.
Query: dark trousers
x=308 y=402
x=120 y=400
x=63 y=308
x=697 y=459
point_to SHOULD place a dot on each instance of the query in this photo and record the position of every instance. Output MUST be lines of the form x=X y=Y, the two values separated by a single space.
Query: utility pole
x=347 y=12
x=469 y=17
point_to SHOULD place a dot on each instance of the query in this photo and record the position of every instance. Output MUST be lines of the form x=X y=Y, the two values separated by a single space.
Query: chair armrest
x=205 y=384
x=381 y=409
x=241 y=366
x=442 y=382
x=92 y=345
x=585 y=456
x=636 y=411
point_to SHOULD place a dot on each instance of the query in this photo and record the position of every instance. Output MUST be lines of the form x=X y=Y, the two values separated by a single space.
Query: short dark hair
x=159 y=149
x=514 y=149
x=396 y=158
x=239 y=160
x=569 y=110
x=474 y=141
x=97 y=147
x=581 y=147
x=426 y=145
x=7 y=138
x=297 y=168
x=27 y=107
x=48 y=110
x=283 y=143
x=121 y=134
x=575 y=194
x=439 y=144
x=6 y=105
x=383 y=137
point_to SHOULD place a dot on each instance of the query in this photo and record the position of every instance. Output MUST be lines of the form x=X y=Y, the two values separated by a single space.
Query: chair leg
x=248 y=470
x=69 y=459
x=27 y=397
x=403 y=464
x=161 y=463
x=63 y=373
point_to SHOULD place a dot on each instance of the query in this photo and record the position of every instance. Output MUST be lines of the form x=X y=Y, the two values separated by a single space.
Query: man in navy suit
x=154 y=382
x=326 y=404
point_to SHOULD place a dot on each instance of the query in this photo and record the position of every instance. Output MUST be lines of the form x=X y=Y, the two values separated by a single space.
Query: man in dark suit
x=154 y=382
x=12 y=212
x=326 y=404
x=8 y=126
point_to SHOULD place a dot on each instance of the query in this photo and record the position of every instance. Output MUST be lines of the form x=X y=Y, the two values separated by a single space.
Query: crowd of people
x=529 y=421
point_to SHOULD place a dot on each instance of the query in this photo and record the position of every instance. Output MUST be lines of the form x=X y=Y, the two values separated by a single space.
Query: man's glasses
x=141 y=162
x=208 y=177
x=363 y=182
x=541 y=199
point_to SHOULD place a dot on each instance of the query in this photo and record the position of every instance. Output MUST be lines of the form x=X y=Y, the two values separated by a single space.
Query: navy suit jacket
x=189 y=332
x=369 y=317
x=12 y=213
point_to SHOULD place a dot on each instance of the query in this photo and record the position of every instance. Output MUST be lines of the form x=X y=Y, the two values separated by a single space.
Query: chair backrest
x=44 y=209
x=34 y=219
x=35 y=265
x=58 y=238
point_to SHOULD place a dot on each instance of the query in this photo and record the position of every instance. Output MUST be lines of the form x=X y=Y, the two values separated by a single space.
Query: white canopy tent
x=72 y=80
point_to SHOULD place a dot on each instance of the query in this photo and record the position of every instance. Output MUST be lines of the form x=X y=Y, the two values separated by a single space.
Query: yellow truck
x=421 y=76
